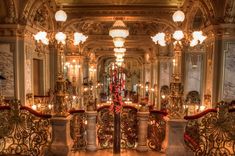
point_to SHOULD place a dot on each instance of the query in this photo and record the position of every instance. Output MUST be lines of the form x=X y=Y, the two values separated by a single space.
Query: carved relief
x=11 y=16
x=102 y=28
x=229 y=16
x=41 y=17
x=91 y=27
x=146 y=28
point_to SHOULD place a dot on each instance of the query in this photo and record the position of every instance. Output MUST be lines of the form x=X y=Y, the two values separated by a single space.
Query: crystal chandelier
x=119 y=33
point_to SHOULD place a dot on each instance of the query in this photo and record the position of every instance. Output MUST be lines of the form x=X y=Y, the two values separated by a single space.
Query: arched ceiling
x=143 y=19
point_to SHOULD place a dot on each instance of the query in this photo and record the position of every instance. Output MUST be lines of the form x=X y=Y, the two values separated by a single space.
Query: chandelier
x=179 y=37
x=59 y=39
x=42 y=37
x=119 y=33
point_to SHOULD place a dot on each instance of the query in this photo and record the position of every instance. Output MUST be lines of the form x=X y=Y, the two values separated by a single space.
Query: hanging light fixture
x=60 y=37
x=178 y=35
x=79 y=37
x=119 y=32
x=178 y=16
x=60 y=16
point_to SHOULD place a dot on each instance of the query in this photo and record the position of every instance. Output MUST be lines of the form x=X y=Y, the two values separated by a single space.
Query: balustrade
x=212 y=132
x=23 y=131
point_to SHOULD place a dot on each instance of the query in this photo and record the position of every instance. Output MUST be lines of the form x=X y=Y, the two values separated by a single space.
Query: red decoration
x=117 y=84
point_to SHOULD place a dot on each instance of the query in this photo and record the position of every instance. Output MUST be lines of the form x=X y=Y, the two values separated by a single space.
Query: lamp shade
x=159 y=38
x=178 y=35
x=118 y=42
x=60 y=37
x=119 y=55
x=178 y=16
x=119 y=30
x=60 y=16
x=79 y=37
x=119 y=50
x=42 y=36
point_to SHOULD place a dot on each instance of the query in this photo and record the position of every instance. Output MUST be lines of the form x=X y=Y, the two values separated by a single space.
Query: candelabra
x=179 y=40
x=60 y=41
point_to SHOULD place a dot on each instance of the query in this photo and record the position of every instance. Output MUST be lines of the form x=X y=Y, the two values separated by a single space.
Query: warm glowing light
x=119 y=55
x=85 y=89
x=197 y=35
x=202 y=108
x=79 y=37
x=34 y=107
x=178 y=35
x=60 y=16
x=60 y=37
x=50 y=106
x=119 y=30
x=119 y=50
x=193 y=42
x=159 y=38
x=178 y=16
x=41 y=36
x=163 y=96
x=174 y=63
x=118 y=42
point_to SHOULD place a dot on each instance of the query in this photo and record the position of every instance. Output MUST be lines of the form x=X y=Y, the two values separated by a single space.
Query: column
x=91 y=130
x=175 y=138
x=175 y=106
x=61 y=139
x=60 y=109
x=143 y=116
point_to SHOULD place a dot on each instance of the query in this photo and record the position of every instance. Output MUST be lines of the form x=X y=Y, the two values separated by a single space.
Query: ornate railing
x=23 y=131
x=156 y=130
x=128 y=127
x=212 y=132
x=78 y=129
x=105 y=127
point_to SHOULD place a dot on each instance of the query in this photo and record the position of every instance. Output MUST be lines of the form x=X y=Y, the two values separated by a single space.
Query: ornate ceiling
x=120 y=2
x=94 y=18
x=144 y=18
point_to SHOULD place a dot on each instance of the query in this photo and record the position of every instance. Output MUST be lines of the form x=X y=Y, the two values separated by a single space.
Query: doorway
x=38 y=76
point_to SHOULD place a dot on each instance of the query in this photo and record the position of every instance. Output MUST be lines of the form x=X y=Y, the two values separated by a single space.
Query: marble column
x=175 y=138
x=61 y=139
x=91 y=130
x=143 y=116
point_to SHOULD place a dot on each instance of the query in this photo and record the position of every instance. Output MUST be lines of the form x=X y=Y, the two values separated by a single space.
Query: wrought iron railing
x=156 y=130
x=23 y=131
x=78 y=129
x=128 y=127
x=212 y=132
